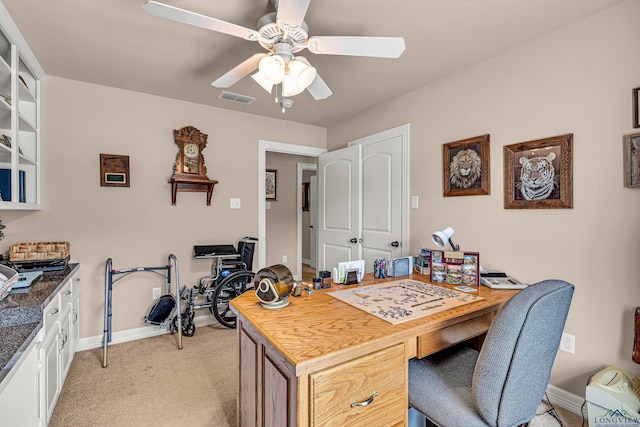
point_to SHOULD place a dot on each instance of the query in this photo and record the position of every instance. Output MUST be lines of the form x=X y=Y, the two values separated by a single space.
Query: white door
x=368 y=217
x=382 y=206
x=313 y=220
x=338 y=207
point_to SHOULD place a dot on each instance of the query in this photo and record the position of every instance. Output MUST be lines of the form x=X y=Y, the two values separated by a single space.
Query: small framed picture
x=466 y=167
x=271 y=184
x=636 y=107
x=632 y=160
x=539 y=174
x=114 y=170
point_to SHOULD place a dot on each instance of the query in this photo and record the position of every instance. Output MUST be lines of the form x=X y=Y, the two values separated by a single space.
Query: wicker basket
x=39 y=251
x=8 y=278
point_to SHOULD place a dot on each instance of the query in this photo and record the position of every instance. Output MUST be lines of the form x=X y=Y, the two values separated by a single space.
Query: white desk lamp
x=441 y=238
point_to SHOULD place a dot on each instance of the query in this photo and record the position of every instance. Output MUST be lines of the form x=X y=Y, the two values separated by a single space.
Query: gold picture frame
x=271 y=185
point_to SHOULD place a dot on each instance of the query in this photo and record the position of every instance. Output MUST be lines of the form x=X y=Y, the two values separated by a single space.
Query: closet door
x=381 y=220
x=338 y=207
x=363 y=197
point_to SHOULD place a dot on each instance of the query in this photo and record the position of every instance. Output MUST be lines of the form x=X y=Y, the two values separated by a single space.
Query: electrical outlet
x=234 y=203
x=568 y=343
x=156 y=293
x=284 y=258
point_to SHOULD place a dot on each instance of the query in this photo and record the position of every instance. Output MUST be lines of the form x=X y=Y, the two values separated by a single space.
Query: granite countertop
x=21 y=315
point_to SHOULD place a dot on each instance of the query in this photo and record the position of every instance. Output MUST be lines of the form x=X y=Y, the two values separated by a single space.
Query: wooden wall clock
x=189 y=170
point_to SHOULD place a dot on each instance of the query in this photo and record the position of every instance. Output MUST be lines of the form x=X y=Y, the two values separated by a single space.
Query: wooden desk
x=304 y=364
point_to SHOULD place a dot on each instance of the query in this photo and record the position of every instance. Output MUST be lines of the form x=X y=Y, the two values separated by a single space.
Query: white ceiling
x=115 y=43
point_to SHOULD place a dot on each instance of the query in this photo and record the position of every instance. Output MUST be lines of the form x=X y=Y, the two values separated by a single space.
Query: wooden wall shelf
x=189 y=184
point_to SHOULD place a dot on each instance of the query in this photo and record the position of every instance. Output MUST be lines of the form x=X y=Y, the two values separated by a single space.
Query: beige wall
x=281 y=218
x=137 y=226
x=577 y=80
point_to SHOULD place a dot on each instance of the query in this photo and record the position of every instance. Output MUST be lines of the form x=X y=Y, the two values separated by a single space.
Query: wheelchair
x=231 y=276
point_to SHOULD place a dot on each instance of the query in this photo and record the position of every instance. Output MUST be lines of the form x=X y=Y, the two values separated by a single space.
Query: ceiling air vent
x=230 y=96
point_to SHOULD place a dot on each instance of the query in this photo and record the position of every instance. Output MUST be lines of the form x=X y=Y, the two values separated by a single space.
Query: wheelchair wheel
x=229 y=288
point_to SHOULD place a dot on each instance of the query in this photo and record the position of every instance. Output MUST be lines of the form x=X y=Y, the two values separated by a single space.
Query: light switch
x=267 y=205
x=414 y=202
x=234 y=203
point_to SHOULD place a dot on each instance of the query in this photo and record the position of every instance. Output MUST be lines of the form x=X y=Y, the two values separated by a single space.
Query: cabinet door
x=74 y=336
x=19 y=398
x=64 y=344
x=50 y=357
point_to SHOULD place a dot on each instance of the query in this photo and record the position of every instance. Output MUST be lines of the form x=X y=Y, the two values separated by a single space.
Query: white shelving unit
x=20 y=162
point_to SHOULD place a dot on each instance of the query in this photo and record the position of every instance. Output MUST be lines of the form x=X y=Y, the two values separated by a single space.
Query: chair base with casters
x=502 y=384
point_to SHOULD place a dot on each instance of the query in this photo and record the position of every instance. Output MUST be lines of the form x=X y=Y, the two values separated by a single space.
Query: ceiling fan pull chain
x=276 y=93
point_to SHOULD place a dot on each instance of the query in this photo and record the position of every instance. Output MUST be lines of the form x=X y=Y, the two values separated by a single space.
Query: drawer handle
x=55 y=311
x=366 y=402
x=68 y=293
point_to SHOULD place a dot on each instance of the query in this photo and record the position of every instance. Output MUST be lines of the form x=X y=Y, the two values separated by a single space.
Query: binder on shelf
x=5 y=184
x=22 y=183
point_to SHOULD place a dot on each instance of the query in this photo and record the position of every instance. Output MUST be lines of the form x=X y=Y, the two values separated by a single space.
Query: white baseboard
x=306 y=261
x=569 y=401
x=136 y=334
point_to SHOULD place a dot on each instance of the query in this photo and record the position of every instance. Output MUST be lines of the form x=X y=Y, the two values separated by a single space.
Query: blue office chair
x=503 y=384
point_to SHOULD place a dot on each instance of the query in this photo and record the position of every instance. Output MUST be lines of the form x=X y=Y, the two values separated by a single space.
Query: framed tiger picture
x=466 y=167
x=539 y=174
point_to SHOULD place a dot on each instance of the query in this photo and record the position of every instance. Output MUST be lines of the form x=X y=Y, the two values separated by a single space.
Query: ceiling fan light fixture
x=266 y=84
x=272 y=68
x=304 y=73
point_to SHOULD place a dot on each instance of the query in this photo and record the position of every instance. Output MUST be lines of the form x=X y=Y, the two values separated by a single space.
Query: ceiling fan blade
x=319 y=89
x=240 y=71
x=187 y=17
x=380 y=47
x=291 y=12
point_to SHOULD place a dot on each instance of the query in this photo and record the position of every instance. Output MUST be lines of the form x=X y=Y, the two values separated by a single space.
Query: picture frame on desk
x=466 y=167
x=455 y=268
x=539 y=174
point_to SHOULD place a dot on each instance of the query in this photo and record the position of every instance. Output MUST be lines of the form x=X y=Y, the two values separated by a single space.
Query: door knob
x=354 y=240
x=395 y=244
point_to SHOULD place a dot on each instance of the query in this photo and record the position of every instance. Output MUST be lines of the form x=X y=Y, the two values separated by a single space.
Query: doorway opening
x=278 y=147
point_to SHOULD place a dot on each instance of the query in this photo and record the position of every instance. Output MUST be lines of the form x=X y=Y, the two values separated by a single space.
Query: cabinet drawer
x=66 y=294
x=444 y=338
x=333 y=391
x=51 y=312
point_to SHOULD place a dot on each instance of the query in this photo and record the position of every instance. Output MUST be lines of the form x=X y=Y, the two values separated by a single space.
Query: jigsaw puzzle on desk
x=403 y=300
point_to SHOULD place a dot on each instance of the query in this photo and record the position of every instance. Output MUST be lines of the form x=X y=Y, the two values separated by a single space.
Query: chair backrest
x=514 y=365
x=246 y=248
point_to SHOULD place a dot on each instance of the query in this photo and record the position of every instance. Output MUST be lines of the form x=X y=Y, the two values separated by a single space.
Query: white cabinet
x=20 y=120
x=60 y=338
x=50 y=376
x=19 y=402
x=29 y=392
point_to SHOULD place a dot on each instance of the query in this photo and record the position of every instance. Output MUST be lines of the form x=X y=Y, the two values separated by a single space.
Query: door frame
x=301 y=168
x=401 y=131
x=277 y=147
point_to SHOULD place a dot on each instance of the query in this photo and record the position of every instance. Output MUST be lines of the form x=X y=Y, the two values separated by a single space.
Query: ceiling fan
x=283 y=34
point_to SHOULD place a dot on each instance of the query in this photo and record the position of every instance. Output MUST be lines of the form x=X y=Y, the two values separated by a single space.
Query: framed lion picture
x=466 y=167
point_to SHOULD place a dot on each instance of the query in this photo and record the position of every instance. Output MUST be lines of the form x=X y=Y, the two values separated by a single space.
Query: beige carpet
x=151 y=383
